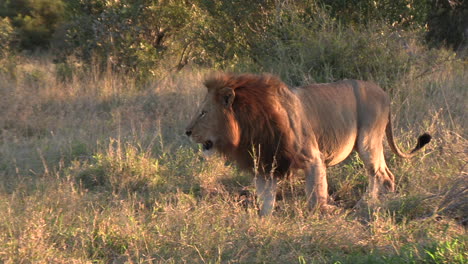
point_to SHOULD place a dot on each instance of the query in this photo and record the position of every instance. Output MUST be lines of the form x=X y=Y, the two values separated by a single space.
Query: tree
x=35 y=21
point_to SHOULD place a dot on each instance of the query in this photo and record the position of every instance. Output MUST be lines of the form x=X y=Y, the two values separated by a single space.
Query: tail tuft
x=422 y=141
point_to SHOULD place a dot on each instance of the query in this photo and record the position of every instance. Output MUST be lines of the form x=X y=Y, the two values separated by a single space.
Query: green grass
x=97 y=170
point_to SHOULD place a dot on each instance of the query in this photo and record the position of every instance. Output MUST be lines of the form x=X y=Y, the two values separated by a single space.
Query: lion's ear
x=227 y=96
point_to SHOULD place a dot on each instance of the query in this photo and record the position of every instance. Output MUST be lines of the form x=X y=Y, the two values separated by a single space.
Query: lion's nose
x=188 y=133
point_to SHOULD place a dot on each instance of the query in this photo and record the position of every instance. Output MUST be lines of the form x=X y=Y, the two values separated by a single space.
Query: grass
x=95 y=169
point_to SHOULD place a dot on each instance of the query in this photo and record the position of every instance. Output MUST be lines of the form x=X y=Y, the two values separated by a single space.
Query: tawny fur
x=262 y=124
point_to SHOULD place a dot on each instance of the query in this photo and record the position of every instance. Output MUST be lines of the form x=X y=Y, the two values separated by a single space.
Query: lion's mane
x=266 y=141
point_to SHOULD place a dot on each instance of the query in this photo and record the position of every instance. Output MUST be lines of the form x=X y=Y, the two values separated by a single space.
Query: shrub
x=126 y=36
x=34 y=20
x=311 y=46
x=7 y=36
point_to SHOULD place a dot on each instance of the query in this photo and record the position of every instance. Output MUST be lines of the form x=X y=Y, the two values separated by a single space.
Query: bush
x=312 y=39
x=126 y=36
x=7 y=36
x=34 y=20
x=447 y=24
x=313 y=47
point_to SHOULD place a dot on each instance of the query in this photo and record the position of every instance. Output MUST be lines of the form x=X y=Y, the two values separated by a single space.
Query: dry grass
x=95 y=169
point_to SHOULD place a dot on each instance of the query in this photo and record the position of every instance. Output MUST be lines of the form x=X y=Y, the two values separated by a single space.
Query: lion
x=270 y=129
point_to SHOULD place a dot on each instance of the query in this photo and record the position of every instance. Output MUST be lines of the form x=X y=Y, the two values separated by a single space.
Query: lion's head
x=214 y=125
x=243 y=118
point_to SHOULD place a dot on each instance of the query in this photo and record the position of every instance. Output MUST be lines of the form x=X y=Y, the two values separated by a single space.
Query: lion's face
x=213 y=124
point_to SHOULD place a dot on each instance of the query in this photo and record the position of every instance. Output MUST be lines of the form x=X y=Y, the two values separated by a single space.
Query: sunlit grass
x=96 y=170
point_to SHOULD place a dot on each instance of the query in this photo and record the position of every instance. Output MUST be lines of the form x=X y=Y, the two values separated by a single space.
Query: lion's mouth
x=207 y=145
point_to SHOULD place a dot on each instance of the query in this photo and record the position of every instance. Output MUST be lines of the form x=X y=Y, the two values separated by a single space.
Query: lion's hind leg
x=370 y=149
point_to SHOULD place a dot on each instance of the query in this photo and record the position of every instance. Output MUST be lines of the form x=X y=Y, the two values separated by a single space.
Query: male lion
x=268 y=128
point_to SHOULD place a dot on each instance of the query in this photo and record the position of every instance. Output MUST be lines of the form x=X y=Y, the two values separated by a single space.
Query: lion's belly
x=341 y=151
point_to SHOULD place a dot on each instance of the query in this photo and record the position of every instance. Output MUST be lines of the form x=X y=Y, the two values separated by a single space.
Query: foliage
x=7 y=36
x=230 y=29
x=147 y=37
x=403 y=13
x=314 y=47
x=34 y=20
x=128 y=35
x=447 y=24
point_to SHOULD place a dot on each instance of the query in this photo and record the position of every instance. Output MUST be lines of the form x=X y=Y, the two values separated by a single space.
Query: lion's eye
x=203 y=113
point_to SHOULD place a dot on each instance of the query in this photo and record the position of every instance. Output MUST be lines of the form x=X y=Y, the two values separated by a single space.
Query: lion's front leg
x=316 y=185
x=266 y=193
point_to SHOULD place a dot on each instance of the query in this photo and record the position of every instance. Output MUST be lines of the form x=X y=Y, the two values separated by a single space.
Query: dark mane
x=264 y=124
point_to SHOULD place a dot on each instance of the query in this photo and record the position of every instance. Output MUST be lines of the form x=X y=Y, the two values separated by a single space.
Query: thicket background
x=144 y=37
x=95 y=95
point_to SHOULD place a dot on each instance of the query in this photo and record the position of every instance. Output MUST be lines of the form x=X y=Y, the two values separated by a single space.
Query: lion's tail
x=422 y=141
